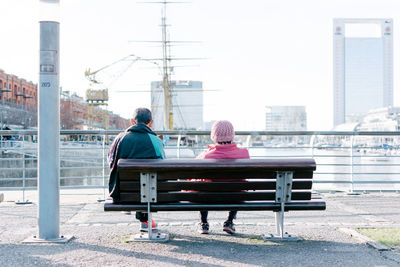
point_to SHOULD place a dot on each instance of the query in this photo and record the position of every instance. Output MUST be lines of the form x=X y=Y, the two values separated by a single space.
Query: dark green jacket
x=137 y=142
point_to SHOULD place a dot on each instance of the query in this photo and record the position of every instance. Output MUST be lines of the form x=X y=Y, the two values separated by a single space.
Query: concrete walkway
x=100 y=236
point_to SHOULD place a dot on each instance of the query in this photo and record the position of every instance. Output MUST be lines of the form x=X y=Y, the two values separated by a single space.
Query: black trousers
x=204 y=215
x=142 y=216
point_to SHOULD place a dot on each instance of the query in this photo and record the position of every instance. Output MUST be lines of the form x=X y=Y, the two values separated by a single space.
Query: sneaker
x=229 y=228
x=144 y=226
x=203 y=228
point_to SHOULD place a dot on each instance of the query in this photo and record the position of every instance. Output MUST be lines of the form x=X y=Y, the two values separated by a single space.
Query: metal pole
x=312 y=145
x=23 y=202
x=49 y=132
x=178 y=145
x=248 y=139
x=352 y=163
x=166 y=83
x=23 y=172
x=104 y=159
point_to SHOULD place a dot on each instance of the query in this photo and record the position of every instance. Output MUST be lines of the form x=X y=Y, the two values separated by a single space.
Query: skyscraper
x=362 y=67
x=187 y=105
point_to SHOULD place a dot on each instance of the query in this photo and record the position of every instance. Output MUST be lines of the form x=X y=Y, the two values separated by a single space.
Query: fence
x=346 y=161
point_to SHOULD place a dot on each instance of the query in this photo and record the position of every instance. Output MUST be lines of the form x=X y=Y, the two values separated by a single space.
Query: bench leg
x=149 y=221
x=148 y=191
x=281 y=234
x=149 y=236
x=283 y=194
x=145 y=237
x=279 y=222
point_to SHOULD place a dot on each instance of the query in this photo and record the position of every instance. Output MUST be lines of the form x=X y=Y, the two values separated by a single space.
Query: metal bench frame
x=148 y=192
x=282 y=202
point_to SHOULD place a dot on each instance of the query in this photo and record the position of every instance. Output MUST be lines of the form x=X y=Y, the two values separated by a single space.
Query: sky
x=252 y=53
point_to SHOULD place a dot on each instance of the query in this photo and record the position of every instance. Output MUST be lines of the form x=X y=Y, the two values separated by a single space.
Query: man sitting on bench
x=137 y=142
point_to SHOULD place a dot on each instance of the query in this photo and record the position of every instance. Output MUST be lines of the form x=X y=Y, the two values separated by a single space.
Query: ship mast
x=166 y=83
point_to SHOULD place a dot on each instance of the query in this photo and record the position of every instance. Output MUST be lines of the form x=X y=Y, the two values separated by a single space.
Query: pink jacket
x=229 y=151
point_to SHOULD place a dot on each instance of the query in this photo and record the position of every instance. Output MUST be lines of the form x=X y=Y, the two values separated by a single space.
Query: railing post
x=23 y=171
x=104 y=159
x=248 y=141
x=23 y=177
x=178 y=145
x=352 y=163
x=312 y=145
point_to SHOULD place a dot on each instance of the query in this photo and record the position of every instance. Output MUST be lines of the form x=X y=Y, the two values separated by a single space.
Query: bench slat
x=128 y=174
x=314 y=204
x=134 y=186
x=213 y=196
x=217 y=164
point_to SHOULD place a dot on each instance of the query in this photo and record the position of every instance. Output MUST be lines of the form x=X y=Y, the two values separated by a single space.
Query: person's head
x=142 y=116
x=222 y=132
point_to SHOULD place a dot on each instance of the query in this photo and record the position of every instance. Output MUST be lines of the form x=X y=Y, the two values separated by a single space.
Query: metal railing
x=346 y=161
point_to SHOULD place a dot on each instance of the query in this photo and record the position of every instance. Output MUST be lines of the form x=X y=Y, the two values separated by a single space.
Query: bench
x=278 y=185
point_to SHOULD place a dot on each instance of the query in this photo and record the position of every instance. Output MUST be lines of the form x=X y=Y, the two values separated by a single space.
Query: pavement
x=100 y=237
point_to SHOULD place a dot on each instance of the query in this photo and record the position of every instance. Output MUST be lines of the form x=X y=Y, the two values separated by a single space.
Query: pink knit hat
x=222 y=131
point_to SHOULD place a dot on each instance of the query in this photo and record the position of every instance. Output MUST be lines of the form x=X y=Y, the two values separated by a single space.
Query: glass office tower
x=363 y=67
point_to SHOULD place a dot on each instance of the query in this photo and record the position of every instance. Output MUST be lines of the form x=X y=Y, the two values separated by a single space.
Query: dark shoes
x=229 y=228
x=204 y=228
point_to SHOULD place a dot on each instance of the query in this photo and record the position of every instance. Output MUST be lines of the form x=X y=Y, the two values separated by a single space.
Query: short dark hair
x=142 y=116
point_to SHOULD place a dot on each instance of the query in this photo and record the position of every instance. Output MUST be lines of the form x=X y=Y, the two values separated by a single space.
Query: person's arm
x=158 y=146
x=203 y=154
x=113 y=150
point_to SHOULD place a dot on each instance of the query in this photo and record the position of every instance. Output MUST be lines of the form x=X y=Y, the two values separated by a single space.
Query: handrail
x=355 y=162
x=182 y=132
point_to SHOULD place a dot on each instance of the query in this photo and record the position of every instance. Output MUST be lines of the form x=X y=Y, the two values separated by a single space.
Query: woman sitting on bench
x=222 y=133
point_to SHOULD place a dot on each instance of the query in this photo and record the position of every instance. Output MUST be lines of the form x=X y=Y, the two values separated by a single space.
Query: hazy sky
x=256 y=53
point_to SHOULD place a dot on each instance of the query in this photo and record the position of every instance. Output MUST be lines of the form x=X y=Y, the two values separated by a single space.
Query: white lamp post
x=49 y=126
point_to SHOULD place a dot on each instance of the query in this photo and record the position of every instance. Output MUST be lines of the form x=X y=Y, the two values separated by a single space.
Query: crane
x=99 y=97
x=91 y=75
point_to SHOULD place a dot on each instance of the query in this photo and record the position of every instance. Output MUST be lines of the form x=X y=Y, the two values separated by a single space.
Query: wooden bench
x=279 y=185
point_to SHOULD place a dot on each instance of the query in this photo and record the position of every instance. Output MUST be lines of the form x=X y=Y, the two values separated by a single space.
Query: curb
x=1 y=197
x=353 y=233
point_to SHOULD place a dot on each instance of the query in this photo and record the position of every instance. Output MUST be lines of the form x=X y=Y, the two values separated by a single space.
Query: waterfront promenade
x=100 y=236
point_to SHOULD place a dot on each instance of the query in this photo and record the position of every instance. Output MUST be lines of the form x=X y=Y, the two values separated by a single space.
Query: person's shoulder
x=210 y=153
x=158 y=145
x=155 y=138
x=243 y=151
x=120 y=135
x=123 y=135
x=118 y=138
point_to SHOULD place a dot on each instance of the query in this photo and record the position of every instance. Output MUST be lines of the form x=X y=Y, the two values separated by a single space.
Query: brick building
x=18 y=106
x=74 y=114
x=17 y=91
